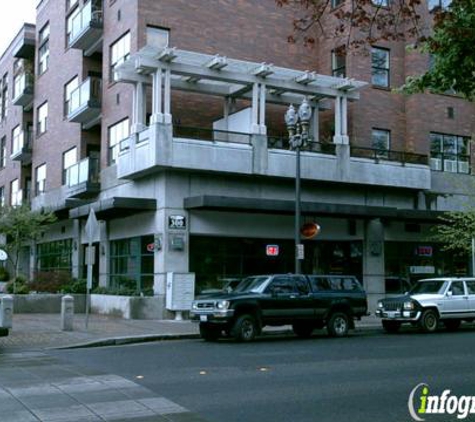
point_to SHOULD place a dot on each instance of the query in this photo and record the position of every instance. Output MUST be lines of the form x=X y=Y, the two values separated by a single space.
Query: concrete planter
x=45 y=303
x=130 y=307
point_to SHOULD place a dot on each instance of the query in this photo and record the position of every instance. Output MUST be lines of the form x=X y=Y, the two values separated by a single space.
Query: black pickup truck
x=306 y=302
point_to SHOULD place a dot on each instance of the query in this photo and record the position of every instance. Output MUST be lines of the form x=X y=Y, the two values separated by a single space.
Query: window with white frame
x=450 y=153
x=69 y=23
x=3 y=152
x=117 y=133
x=4 y=99
x=68 y=90
x=2 y=196
x=17 y=139
x=119 y=52
x=40 y=177
x=157 y=37
x=42 y=119
x=339 y=63
x=70 y=158
x=43 y=49
x=381 y=142
x=380 y=67
x=16 y=195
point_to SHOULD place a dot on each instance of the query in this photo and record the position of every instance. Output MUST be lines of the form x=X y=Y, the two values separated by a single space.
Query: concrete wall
x=129 y=307
x=45 y=303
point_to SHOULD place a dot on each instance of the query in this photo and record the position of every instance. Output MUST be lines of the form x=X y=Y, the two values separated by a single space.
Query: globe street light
x=297 y=126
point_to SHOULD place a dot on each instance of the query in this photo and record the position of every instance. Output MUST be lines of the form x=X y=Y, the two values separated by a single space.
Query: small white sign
x=300 y=252
x=3 y=255
x=423 y=269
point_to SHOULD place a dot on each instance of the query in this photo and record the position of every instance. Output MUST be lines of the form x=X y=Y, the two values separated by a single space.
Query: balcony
x=82 y=179
x=24 y=44
x=23 y=90
x=21 y=147
x=84 y=105
x=87 y=28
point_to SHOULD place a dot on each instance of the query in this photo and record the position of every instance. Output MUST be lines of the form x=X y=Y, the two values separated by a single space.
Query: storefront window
x=54 y=256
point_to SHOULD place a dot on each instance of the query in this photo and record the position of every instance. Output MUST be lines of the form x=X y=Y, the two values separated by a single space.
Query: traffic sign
x=272 y=250
x=92 y=227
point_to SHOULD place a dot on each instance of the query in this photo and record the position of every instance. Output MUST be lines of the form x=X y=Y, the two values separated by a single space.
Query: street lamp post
x=297 y=126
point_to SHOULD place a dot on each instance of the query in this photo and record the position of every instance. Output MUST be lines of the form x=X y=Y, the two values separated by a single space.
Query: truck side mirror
x=449 y=293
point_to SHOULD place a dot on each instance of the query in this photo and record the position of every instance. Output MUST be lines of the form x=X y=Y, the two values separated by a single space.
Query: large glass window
x=70 y=158
x=381 y=141
x=69 y=23
x=380 y=67
x=132 y=263
x=2 y=196
x=117 y=133
x=449 y=153
x=54 y=256
x=42 y=119
x=157 y=37
x=119 y=52
x=4 y=97
x=339 y=63
x=436 y=4
x=16 y=194
x=40 y=179
x=3 y=152
x=68 y=90
x=43 y=49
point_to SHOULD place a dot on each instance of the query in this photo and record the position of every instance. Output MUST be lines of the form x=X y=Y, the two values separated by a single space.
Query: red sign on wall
x=272 y=250
x=424 y=251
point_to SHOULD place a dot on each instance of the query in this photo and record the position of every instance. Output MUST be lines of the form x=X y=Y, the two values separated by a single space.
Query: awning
x=115 y=207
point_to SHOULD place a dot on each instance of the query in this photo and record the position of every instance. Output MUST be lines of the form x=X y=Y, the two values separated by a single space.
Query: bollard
x=6 y=311
x=67 y=313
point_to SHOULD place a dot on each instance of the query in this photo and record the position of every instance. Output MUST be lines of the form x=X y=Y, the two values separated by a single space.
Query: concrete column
x=262 y=110
x=337 y=137
x=76 y=254
x=139 y=108
x=157 y=98
x=6 y=311
x=344 y=121
x=167 y=100
x=315 y=125
x=67 y=313
x=373 y=261
x=255 y=109
x=260 y=154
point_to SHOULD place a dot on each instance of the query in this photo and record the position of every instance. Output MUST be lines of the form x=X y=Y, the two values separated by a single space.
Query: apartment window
x=339 y=63
x=15 y=193
x=380 y=3
x=381 y=142
x=4 y=97
x=380 y=67
x=68 y=90
x=3 y=152
x=69 y=23
x=43 y=50
x=157 y=37
x=449 y=153
x=438 y=4
x=40 y=179
x=17 y=139
x=42 y=117
x=70 y=158
x=2 y=196
x=120 y=51
x=336 y=3
x=117 y=133
x=71 y=3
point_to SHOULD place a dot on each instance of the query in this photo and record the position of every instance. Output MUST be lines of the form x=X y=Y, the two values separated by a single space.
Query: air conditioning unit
x=463 y=167
x=450 y=166
x=436 y=164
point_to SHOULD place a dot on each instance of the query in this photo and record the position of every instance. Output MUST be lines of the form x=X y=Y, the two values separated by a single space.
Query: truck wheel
x=391 y=326
x=244 y=328
x=429 y=321
x=209 y=333
x=338 y=325
x=302 y=330
x=452 y=324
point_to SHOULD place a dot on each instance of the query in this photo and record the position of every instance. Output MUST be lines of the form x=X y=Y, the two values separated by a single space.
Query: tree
x=456 y=231
x=447 y=34
x=20 y=226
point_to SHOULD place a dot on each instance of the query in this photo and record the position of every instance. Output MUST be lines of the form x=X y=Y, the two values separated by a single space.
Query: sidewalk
x=43 y=331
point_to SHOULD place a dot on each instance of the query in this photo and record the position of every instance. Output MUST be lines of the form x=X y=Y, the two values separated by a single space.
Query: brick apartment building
x=182 y=154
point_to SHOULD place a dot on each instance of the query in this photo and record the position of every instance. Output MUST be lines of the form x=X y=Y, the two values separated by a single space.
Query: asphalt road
x=365 y=377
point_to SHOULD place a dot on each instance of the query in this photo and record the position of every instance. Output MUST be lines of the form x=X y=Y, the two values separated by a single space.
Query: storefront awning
x=225 y=203
x=115 y=207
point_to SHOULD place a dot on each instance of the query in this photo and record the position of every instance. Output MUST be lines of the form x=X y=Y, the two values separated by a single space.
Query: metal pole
x=297 y=208
x=89 y=283
x=473 y=256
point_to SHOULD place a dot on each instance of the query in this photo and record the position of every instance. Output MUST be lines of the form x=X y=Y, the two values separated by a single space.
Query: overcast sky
x=13 y=14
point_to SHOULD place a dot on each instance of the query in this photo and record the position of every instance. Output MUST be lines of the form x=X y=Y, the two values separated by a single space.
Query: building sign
x=422 y=269
x=272 y=250
x=424 y=251
x=177 y=222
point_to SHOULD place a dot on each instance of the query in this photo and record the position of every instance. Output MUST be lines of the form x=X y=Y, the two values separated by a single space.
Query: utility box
x=180 y=291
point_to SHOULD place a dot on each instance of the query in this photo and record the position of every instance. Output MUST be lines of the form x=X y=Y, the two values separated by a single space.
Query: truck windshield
x=432 y=286
x=251 y=284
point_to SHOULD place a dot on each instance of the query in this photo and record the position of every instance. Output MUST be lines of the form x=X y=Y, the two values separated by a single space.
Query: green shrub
x=51 y=281
x=18 y=286
x=4 y=276
x=76 y=287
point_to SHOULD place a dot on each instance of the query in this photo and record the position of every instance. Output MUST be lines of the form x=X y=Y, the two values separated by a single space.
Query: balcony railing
x=86 y=26
x=211 y=135
x=282 y=142
x=23 y=88
x=84 y=104
x=85 y=171
x=389 y=155
x=21 y=146
x=452 y=163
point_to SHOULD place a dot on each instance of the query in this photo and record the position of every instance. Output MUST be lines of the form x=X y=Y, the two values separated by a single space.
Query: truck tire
x=338 y=324
x=245 y=328
x=391 y=326
x=452 y=324
x=209 y=332
x=429 y=321
x=302 y=330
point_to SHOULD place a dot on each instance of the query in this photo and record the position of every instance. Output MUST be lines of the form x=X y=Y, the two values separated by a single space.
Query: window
x=3 y=152
x=157 y=37
x=470 y=287
x=71 y=3
x=70 y=21
x=339 y=63
x=336 y=3
x=380 y=3
x=15 y=193
x=438 y=4
x=43 y=50
x=117 y=133
x=281 y=285
x=380 y=67
x=54 y=256
x=40 y=179
x=70 y=158
x=120 y=51
x=4 y=97
x=68 y=90
x=42 y=123
x=2 y=196
x=449 y=153
x=381 y=141
x=17 y=139
x=457 y=288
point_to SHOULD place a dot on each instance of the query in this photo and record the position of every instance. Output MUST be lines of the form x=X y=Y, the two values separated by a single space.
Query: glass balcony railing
x=21 y=142
x=89 y=16
x=88 y=94
x=85 y=171
x=23 y=84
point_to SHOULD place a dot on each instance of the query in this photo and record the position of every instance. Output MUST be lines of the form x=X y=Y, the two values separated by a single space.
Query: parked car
x=394 y=285
x=449 y=300
x=305 y=302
